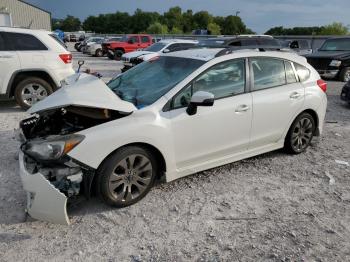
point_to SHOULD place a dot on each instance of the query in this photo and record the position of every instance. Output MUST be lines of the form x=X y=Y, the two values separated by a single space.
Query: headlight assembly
x=335 y=63
x=53 y=148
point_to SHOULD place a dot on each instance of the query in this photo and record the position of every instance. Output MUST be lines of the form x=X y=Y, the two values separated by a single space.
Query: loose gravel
x=274 y=207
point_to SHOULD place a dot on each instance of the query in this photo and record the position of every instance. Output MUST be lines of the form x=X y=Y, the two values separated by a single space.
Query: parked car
x=240 y=41
x=164 y=46
x=95 y=49
x=32 y=64
x=300 y=46
x=345 y=93
x=172 y=116
x=332 y=60
x=128 y=43
x=81 y=45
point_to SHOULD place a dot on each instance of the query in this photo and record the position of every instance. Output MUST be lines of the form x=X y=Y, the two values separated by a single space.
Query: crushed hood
x=87 y=91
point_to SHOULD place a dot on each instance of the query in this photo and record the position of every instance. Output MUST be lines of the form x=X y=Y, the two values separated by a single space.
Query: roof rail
x=261 y=48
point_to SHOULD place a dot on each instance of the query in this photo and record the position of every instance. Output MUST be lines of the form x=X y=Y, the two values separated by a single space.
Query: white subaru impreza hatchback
x=172 y=116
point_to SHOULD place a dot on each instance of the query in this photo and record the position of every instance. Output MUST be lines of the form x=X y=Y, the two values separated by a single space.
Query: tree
x=140 y=21
x=176 y=31
x=187 y=21
x=173 y=18
x=334 y=29
x=157 y=28
x=214 y=28
x=233 y=25
x=202 y=19
x=70 y=24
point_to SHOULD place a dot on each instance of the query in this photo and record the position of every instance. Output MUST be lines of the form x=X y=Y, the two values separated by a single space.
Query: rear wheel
x=126 y=176
x=31 y=90
x=345 y=74
x=300 y=134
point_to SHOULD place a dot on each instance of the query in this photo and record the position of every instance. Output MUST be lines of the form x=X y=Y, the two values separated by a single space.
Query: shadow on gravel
x=9 y=107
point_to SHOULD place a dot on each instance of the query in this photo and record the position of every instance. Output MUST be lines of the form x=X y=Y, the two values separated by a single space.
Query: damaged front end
x=49 y=175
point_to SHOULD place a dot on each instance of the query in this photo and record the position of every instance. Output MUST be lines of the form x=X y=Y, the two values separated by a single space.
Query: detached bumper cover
x=44 y=201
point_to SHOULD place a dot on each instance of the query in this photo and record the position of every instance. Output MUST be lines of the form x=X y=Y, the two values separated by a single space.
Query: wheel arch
x=315 y=117
x=20 y=75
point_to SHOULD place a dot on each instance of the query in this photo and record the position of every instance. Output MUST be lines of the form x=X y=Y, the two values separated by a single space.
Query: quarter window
x=268 y=72
x=302 y=72
x=25 y=42
x=290 y=75
x=222 y=80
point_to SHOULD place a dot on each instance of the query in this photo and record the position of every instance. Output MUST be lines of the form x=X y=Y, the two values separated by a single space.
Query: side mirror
x=166 y=50
x=200 y=98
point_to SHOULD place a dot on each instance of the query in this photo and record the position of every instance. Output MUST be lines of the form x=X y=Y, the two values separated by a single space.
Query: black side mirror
x=200 y=98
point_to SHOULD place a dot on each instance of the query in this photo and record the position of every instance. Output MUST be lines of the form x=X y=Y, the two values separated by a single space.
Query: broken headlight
x=52 y=148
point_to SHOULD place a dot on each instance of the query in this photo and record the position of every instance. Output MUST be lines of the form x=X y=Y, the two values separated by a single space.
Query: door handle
x=295 y=95
x=242 y=108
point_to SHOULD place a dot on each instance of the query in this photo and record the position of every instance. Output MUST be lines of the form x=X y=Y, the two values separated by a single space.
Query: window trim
x=252 y=78
x=169 y=106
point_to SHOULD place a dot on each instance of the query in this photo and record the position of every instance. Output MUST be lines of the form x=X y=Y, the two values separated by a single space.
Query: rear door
x=134 y=45
x=9 y=62
x=145 y=41
x=277 y=98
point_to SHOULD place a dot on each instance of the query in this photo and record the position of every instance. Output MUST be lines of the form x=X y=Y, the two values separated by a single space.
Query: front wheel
x=99 y=53
x=126 y=176
x=300 y=134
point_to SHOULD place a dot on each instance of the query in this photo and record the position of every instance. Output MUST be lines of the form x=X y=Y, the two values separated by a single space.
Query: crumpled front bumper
x=44 y=201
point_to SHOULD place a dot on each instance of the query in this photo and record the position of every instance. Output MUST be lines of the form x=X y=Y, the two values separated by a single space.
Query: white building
x=18 y=13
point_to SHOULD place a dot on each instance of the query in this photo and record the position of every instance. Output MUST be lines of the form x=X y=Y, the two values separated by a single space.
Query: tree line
x=174 y=21
x=177 y=21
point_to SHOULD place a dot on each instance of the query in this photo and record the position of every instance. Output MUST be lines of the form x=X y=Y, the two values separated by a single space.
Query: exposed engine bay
x=47 y=137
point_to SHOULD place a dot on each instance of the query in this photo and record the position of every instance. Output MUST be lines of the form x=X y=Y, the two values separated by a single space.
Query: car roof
x=23 y=30
x=204 y=54
x=169 y=41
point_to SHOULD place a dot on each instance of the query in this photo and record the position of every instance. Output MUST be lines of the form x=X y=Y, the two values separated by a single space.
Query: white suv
x=32 y=64
x=172 y=116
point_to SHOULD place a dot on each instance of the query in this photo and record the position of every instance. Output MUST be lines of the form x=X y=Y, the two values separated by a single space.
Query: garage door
x=5 y=19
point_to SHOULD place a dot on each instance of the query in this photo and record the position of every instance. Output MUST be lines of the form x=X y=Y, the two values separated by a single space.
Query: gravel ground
x=275 y=207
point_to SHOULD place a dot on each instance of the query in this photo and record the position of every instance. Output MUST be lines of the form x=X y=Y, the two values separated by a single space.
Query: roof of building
x=34 y=6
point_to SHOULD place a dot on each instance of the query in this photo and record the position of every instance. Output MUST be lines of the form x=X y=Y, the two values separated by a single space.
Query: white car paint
x=234 y=128
x=47 y=61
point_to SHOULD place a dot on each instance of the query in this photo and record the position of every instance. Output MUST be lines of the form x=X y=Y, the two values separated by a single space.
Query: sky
x=259 y=15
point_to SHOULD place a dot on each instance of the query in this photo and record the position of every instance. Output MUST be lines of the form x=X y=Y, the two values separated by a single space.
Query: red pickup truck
x=126 y=44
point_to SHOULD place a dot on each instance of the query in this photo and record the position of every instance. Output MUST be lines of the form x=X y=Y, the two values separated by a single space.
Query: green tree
x=70 y=24
x=202 y=19
x=173 y=18
x=157 y=28
x=233 y=25
x=176 y=31
x=214 y=28
x=334 y=29
x=187 y=21
x=140 y=21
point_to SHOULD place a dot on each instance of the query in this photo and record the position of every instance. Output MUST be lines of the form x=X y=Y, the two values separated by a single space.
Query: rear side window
x=25 y=42
x=268 y=72
x=58 y=40
x=144 y=39
x=302 y=72
x=2 y=43
x=290 y=75
x=134 y=39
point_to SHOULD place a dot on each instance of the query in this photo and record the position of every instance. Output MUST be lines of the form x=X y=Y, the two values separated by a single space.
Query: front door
x=217 y=132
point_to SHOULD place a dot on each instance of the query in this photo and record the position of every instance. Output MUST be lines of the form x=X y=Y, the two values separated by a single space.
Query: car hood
x=330 y=54
x=137 y=54
x=86 y=91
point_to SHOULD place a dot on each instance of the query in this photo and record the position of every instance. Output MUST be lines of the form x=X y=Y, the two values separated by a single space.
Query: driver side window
x=222 y=80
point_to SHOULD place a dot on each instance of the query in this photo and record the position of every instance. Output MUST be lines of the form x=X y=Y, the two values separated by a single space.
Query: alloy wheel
x=33 y=93
x=302 y=134
x=130 y=178
x=347 y=76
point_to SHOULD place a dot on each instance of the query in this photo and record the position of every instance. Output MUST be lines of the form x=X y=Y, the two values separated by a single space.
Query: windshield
x=155 y=47
x=336 y=45
x=147 y=82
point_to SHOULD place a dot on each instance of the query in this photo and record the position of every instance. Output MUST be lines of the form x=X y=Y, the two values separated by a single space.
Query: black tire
x=345 y=74
x=76 y=46
x=118 y=54
x=110 y=56
x=117 y=171
x=22 y=91
x=300 y=134
x=99 y=52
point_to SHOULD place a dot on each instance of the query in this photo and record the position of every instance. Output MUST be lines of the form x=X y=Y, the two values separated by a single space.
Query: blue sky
x=259 y=15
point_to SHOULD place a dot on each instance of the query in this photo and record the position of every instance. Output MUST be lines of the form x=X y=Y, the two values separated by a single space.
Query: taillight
x=322 y=84
x=66 y=58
